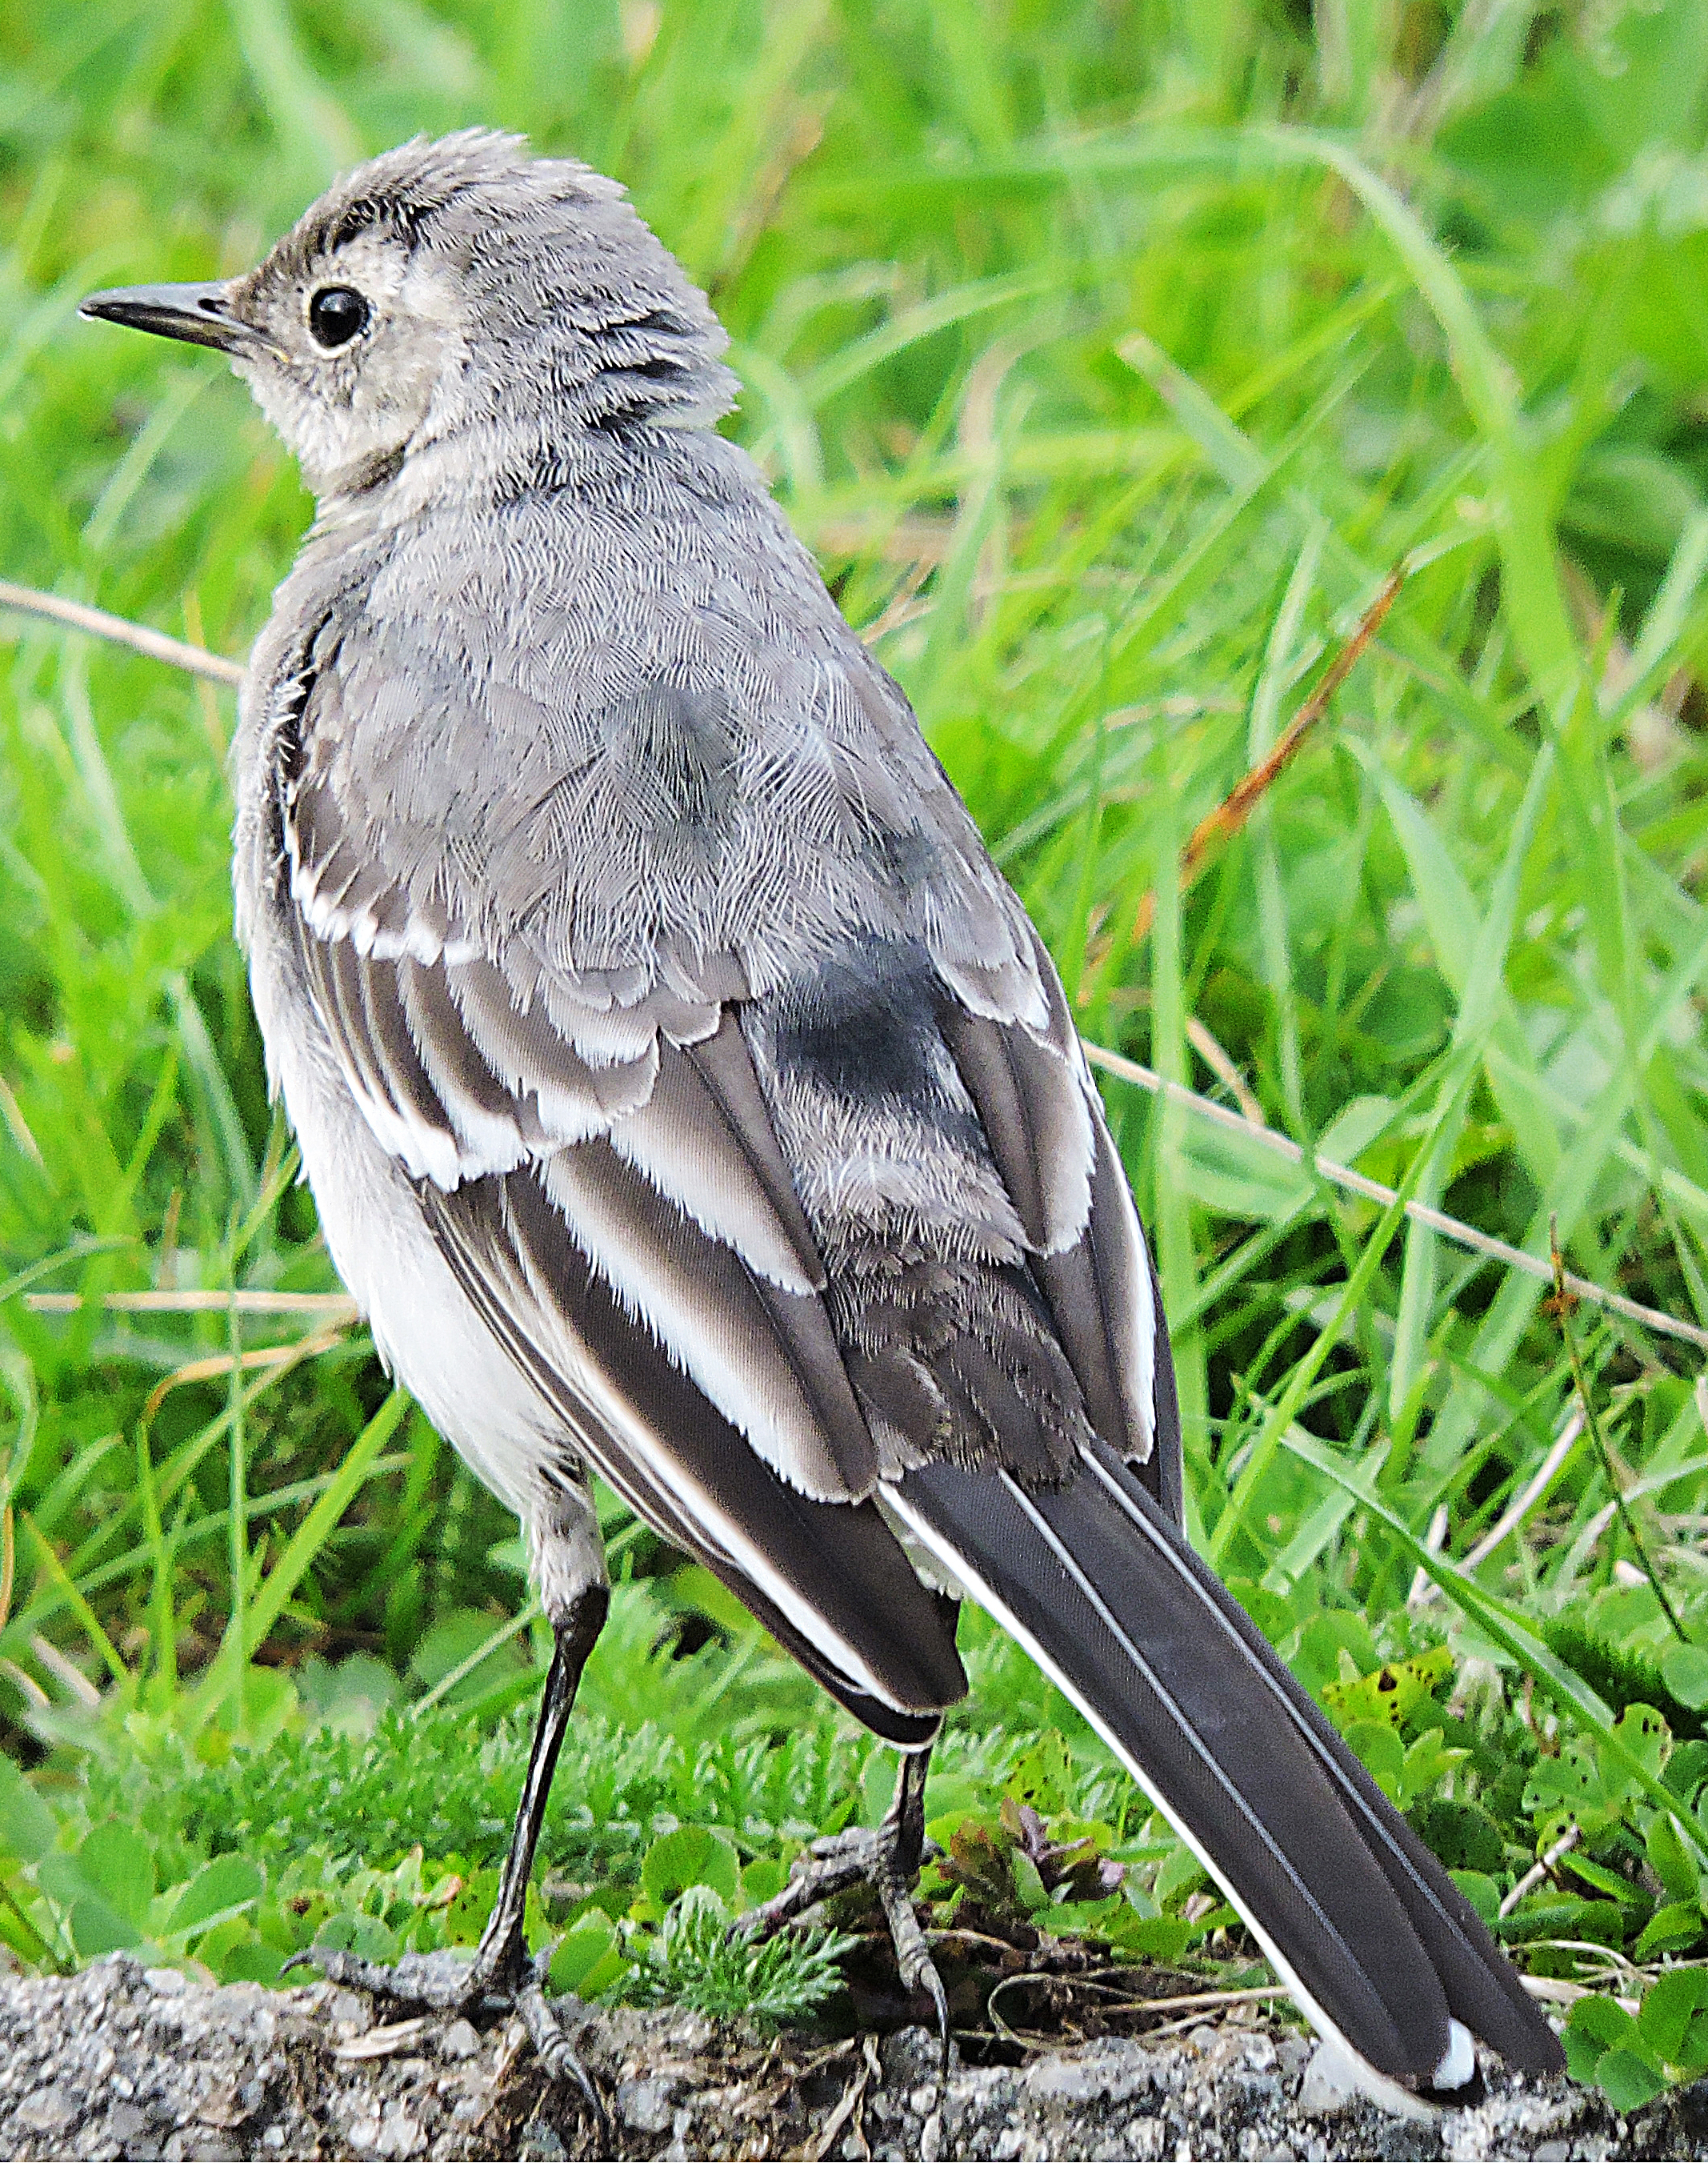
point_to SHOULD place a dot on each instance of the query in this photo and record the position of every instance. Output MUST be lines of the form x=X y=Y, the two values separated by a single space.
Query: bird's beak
x=198 y=314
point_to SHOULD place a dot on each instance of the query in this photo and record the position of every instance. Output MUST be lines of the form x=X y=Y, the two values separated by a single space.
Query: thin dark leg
x=907 y=1812
x=501 y=1970
x=887 y=1858
x=894 y=1877
x=502 y=1958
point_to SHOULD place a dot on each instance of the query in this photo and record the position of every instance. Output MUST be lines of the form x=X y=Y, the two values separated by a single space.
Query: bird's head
x=454 y=289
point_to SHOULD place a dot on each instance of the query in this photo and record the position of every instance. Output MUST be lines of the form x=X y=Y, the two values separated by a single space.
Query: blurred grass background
x=1109 y=354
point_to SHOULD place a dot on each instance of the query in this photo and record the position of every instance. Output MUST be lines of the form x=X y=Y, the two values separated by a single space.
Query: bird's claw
x=556 y=2054
x=834 y=1863
x=450 y=1982
x=913 y=1959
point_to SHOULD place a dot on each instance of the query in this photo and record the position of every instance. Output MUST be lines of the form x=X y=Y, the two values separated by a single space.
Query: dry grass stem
x=1424 y=1590
x=1540 y=1872
x=102 y=624
x=1216 y=1057
x=1230 y=816
x=1565 y=1991
x=1361 y=1184
x=247 y=1302
x=278 y=1359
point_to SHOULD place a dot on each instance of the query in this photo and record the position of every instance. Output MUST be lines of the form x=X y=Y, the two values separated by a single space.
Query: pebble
x=459 y=2041
x=400 y=2136
x=540 y=2141
x=125 y=2124
x=643 y=2103
x=50 y=2107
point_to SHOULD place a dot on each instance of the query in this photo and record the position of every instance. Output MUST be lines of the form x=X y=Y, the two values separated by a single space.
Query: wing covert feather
x=870 y=1631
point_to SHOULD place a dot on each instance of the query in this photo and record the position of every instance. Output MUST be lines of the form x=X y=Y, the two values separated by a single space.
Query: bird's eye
x=336 y=313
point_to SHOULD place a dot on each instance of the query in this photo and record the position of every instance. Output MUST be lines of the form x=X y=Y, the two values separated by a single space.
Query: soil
x=123 y=2063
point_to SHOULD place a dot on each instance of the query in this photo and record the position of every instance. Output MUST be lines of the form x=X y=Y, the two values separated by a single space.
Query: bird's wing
x=683 y=1207
x=608 y=958
x=630 y=1233
x=593 y=1158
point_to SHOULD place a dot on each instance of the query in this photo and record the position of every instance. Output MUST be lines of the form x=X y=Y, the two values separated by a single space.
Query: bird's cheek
x=316 y=431
x=283 y=401
x=425 y=383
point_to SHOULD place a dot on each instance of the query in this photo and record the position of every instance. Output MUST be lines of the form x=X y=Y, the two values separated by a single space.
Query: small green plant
x=694 y=1960
x=1634 y=2056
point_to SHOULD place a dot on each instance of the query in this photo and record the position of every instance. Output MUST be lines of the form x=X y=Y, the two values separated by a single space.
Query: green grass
x=1108 y=357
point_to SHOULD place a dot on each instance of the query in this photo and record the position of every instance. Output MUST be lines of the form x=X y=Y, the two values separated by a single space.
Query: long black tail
x=1358 y=1918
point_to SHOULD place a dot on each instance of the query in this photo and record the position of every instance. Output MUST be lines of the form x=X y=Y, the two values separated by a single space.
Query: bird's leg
x=501 y=1961
x=887 y=1858
x=501 y=1971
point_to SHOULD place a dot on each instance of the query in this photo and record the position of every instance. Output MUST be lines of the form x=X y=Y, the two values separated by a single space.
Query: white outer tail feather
x=1456 y=2065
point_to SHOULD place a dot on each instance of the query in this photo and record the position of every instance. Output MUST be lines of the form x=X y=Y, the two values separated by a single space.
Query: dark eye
x=336 y=313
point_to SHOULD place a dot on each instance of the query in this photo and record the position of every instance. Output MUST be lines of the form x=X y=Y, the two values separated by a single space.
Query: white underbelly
x=429 y=1334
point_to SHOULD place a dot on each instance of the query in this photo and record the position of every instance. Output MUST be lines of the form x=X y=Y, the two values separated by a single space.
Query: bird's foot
x=885 y=1858
x=497 y=1978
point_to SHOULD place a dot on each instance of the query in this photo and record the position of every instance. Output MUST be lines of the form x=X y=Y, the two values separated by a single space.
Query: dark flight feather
x=840 y=1567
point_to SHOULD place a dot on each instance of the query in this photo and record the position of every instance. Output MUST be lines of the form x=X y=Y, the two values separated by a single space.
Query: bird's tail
x=1359 y=1920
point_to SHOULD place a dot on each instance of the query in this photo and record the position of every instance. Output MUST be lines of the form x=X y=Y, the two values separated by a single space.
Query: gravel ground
x=121 y=2063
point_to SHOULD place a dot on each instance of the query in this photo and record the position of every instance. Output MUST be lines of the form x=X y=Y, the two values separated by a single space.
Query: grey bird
x=688 y=1099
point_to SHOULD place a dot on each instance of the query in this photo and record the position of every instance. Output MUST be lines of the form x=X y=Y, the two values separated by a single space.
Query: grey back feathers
x=686 y=1094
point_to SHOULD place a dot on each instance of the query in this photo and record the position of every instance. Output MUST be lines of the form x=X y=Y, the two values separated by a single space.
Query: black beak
x=197 y=314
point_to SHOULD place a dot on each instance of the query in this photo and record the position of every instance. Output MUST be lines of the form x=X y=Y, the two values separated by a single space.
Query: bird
x=688 y=1099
